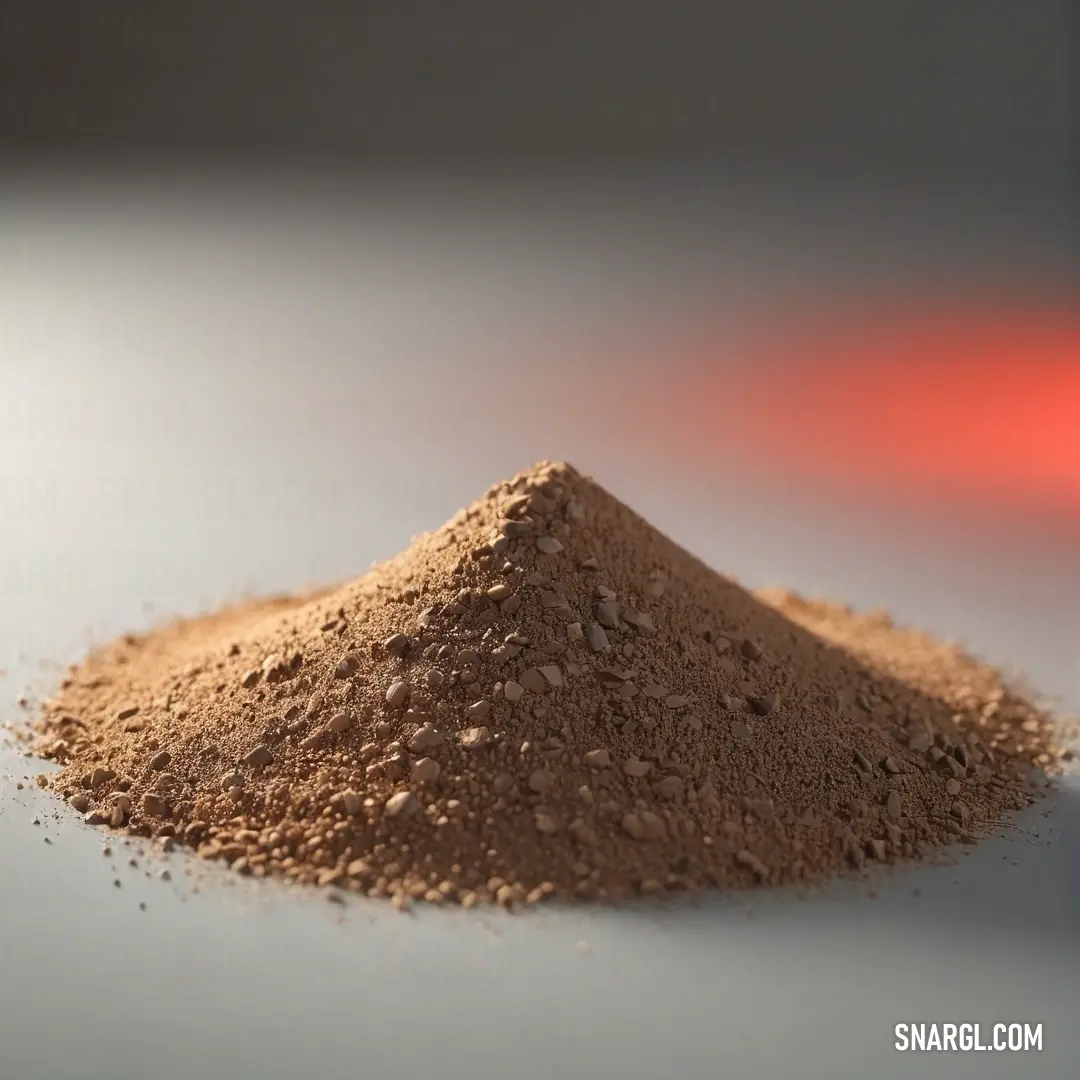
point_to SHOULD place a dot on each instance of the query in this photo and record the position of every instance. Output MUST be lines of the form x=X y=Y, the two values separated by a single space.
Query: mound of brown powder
x=545 y=697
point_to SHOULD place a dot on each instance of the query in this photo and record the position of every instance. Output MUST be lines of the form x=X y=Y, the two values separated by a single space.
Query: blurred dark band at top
x=918 y=92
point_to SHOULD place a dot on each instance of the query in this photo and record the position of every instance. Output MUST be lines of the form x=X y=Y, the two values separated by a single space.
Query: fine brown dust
x=544 y=698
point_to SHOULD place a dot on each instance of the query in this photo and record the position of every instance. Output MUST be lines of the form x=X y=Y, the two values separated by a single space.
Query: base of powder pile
x=545 y=698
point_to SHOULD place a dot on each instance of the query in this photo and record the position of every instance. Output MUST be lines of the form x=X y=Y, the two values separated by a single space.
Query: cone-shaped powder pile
x=545 y=697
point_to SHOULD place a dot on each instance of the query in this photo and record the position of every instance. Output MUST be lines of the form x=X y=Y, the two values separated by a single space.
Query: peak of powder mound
x=544 y=697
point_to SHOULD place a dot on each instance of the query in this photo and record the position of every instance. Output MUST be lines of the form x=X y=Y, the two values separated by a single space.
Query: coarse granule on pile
x=545 y=697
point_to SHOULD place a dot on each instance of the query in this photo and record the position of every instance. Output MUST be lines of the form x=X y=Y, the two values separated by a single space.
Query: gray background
x=213 y=386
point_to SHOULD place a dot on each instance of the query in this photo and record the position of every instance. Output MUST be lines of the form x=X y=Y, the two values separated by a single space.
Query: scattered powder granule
x=544 y=698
